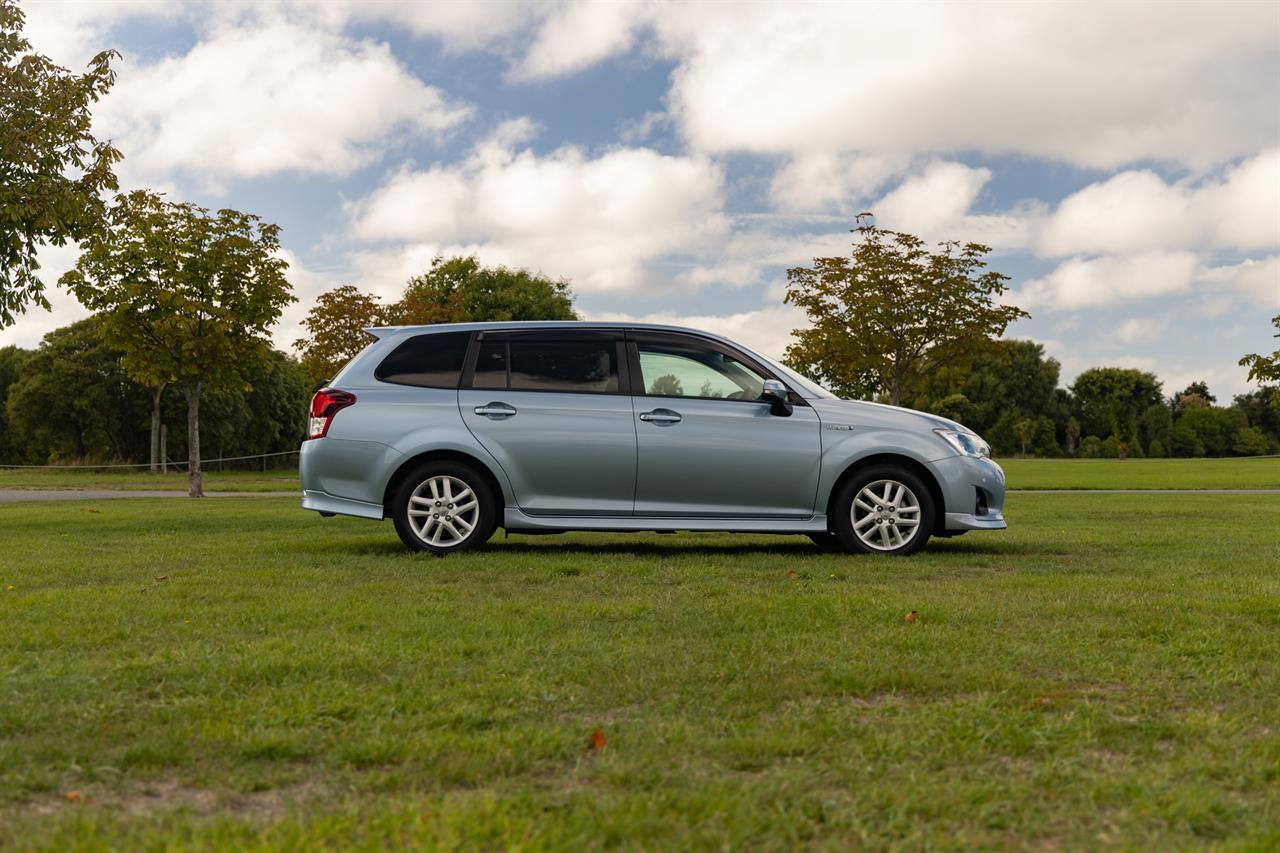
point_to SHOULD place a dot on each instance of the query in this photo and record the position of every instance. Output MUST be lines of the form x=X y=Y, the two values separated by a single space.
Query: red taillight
x=326 y=403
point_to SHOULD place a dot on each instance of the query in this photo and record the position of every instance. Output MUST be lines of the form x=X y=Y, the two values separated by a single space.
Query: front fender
x=844 y=446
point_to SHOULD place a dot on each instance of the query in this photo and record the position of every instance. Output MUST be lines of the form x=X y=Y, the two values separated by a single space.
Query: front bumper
x=973 y=489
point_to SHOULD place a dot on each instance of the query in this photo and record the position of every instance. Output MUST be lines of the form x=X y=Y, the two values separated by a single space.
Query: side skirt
x=514 y=519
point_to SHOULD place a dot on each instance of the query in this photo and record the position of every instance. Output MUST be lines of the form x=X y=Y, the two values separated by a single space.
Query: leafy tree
x=1113 y=448
x=883 y=318
x=1250 y=441
x=1155 y=423
x=1072 y=430
x=460 y=290
x=265 y=418
x=1184 y=442
x=75 y=400
x=1025 y=430
x=1264 y=368
x=1156 y=450
x=335 y=330
x=1090 y=447
x=1261 y=408
x=12 y=360
x=1214 y=427
x=1198 y=389
x=1007 y=376
x=956 y=407
x=52 y=169
x=1110 y=399
x=187 y=295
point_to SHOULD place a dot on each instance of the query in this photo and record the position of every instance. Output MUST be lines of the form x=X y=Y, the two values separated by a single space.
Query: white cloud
x=250 y=101
x=577 y=35
x=823 y=182
x=1101 y=89
x=65 y=308
x=600 y=221
x=1138 y=211
x=935 y=204
x=1257 y=281
x=1141 y=330
x=1099 y=282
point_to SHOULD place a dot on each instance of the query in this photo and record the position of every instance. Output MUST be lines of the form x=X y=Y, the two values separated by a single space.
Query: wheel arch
x=458 y=456
x=914 y=466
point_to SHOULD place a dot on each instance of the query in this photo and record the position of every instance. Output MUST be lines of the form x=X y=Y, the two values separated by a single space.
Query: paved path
x=9 y=496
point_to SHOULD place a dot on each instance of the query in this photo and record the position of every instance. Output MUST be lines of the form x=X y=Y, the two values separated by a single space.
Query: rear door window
x=426 y=361
x=585 y=365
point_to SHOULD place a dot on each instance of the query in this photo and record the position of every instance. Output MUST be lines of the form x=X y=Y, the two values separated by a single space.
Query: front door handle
x=661 y=417
x=496 y=410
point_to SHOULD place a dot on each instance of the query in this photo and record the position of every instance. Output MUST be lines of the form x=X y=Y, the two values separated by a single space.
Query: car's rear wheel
x=444 y=507
x=883 y=510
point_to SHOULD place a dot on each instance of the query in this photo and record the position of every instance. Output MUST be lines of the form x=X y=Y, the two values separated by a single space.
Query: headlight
x=965 y=443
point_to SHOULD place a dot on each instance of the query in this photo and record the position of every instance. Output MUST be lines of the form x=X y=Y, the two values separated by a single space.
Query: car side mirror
x=777 y=396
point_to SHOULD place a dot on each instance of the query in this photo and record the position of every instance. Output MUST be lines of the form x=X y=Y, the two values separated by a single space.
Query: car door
x=552 y=407
x=707 y=446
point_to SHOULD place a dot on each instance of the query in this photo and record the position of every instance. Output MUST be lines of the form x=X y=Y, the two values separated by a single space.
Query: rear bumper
x=325 y=502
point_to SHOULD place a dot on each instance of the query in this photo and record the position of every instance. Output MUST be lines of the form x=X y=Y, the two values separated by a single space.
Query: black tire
x=484 y=517
x=828 y=542
x=889 y=520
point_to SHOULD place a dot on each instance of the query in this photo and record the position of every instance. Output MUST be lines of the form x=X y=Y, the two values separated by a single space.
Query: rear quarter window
x=426 y=361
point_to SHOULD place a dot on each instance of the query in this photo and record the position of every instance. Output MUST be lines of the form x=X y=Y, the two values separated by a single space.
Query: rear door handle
x=496 y=410
x=661 y=417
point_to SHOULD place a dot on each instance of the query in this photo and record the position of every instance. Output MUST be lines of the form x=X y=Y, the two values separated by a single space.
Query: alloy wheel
x=443 y=511
x=885 y=515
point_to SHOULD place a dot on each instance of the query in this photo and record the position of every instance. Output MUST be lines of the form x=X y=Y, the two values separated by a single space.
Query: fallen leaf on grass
x=91 y=509
x=162 y=578
x=73 y=796
x=596 y=742
x=1042 y=702
x=791 y=573
x=911 y=617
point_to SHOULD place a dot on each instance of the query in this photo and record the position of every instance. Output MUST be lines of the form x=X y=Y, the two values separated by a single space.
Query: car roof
x=382 y=332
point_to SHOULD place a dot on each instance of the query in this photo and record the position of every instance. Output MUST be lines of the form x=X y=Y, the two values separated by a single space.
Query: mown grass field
x=241 y=673
x=1239 y=473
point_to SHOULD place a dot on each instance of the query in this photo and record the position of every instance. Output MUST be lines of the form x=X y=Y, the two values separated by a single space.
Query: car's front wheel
x=443 y=507
x=883 y=510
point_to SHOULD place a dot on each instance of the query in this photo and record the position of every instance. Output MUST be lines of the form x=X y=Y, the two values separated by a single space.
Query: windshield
x=803 y=384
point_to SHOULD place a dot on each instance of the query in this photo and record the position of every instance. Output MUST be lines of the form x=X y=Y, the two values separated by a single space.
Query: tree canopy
x=461 y=290
x=885 y=317
x=52 y=169
x=186 y=294
x=335 y=329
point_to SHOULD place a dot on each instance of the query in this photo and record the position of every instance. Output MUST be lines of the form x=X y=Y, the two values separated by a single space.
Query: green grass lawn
x=1244 y=473
x=1104 y=673
x=1258 y=472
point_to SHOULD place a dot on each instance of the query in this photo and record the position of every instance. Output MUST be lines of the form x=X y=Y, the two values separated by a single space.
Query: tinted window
x=565 y=366
x=428 y=361
x=491 y=365
x=691 y=371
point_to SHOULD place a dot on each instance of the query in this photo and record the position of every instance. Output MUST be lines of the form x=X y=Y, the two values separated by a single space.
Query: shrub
x=1184 y=442
x=1250 y=441
x=1113 y=448
x=1156 y=450
x=1090 y=448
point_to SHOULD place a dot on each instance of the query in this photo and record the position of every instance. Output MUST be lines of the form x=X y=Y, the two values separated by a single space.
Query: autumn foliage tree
x=884 y=317
x=335 y=329
x=186 y=294
x=52 y=169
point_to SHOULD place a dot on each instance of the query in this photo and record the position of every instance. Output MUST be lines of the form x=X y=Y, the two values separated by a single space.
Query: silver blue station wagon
x=454 y=430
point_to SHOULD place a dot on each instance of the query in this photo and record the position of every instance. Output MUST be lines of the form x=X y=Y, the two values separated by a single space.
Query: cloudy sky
x=672 y=160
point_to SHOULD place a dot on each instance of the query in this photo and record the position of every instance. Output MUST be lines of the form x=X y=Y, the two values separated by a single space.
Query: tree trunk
x=155 y=427
x=195 y=477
